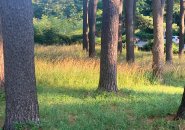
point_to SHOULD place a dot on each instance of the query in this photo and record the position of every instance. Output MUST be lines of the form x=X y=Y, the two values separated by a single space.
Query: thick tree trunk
x=20 y=84
x=130 y=30
x=108 y=62
x=120 y=46
x=1 y=58
x=158 y=47
x=181 y=111
x=92 y=26
x=85 y=25
x=181 y=39
x=169 y=32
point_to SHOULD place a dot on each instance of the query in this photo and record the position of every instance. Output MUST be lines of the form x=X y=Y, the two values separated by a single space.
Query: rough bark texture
x=92 y=26
x=20 y=84
x=181 y=111
x=108 y=62
x=158 y=47
x=85 y=25
x=130 y=30
x=1 y=57
x=169 y=33
x=120 y=46
x=181 y=39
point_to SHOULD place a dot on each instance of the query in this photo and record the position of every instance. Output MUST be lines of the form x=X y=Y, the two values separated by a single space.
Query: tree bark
x=181 y=111
x=85 y=25
x=158 y=47
x=108 y=61
x=130 y=31
x=20 y=83
x=181 y=38
x=92 y=26
x=120 y=46
x=1 y=57
x=169 y=32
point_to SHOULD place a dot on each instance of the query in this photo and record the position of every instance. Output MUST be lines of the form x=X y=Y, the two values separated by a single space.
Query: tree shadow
x=128 y=109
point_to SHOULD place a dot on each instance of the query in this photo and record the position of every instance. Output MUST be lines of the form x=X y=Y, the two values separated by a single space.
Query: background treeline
x=60 y=21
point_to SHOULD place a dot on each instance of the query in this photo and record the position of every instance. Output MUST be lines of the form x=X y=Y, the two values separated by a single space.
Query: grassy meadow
x=67 y=81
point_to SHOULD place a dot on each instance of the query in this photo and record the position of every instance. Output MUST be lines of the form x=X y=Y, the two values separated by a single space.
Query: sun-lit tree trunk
x=169 y=32
x=92 y=26
x=181 y=36
x=108 y=61
x=158 y=47
x=85 y=25
x=130 y=30
x=120 y=46
x=1 y=57
x=20 y=83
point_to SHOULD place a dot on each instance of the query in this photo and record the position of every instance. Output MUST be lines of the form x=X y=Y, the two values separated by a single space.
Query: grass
x=67 y=81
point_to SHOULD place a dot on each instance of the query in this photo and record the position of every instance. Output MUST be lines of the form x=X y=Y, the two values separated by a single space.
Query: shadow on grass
x=128 y=109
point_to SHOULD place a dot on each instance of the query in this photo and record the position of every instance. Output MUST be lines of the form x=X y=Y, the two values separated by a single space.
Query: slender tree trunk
x=1 y=58
x=130 y=30
x=85 y=25
x=158 y=47
x=120 y=46
x=92 y=26
x=20 y=84
x=108 y=61
x=181 y=111
x=181 y=40
x=169 y=32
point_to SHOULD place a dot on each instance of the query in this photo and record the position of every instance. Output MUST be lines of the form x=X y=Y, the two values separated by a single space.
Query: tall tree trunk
x=1 y=58
x=108 y=62
x=130 y=30
x=181 y=111
x=169 y=32
x=181 y=40
x=20 y=84
x=92 y=26
x=158 y=47
x=120 y=46
x=85 y=25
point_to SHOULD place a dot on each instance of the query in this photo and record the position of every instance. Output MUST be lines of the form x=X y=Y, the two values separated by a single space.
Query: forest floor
x=67 y=81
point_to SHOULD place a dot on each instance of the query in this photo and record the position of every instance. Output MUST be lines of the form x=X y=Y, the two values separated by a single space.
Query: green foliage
x=51 y=30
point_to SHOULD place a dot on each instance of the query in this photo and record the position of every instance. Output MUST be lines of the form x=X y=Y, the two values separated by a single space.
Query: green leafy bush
x=51 y=30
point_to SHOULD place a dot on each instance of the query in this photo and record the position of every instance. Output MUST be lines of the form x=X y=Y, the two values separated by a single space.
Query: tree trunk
x=169 y=32
x=181 y=39
x=85 y=25
x=108 y=61
x=20 y=84
x=158 y=47
x=130 y=30
x=120 y=46
x=1 y=58
x=92 y=26
x=181 y=111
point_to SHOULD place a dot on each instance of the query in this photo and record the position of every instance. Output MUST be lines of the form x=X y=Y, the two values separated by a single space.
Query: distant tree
x=1 y=58
x=92 y=26
x=158 y=46
x=20 y=84
x=85 y=25
x=108 y=61
x=169 y=32
x=130 y=30
x=120 y=46
x=181 y=38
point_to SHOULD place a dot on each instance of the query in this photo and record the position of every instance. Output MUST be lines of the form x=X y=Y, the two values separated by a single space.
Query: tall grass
x=67 y=81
